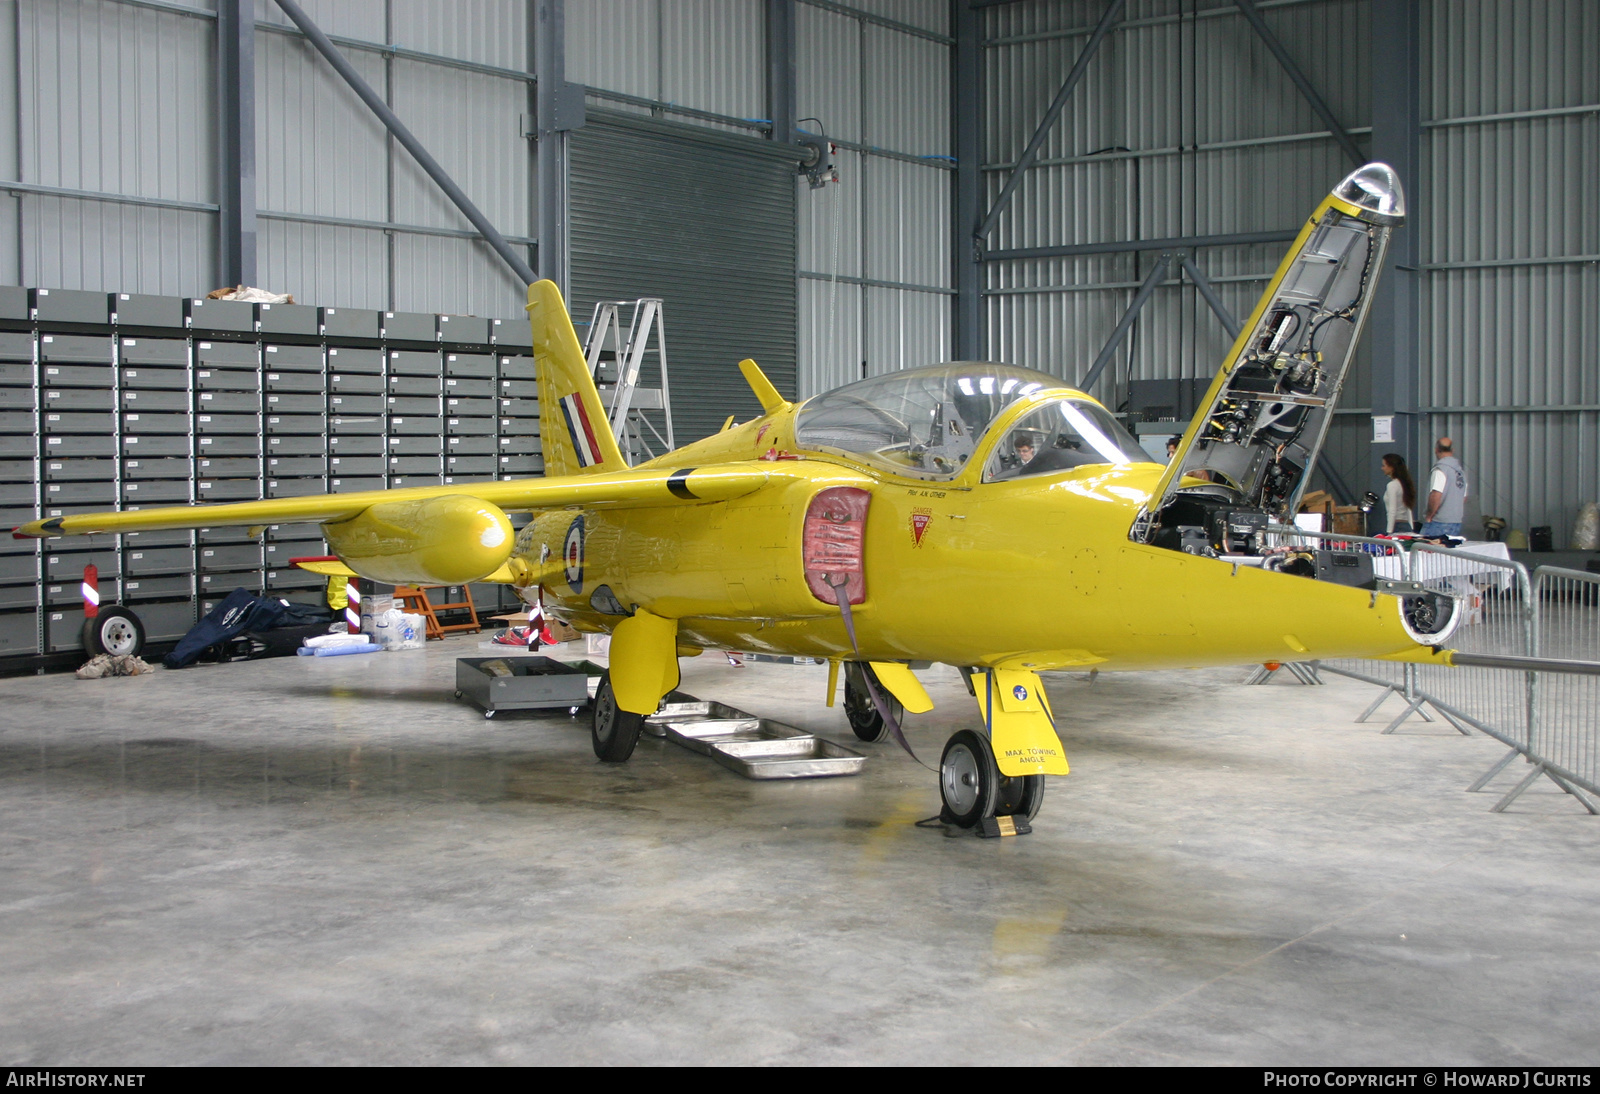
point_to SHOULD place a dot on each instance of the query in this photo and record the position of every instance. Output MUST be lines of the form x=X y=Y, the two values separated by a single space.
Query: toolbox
x=521 y=682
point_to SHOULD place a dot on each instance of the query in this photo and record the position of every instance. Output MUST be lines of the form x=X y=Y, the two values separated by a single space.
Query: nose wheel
x=972 y=789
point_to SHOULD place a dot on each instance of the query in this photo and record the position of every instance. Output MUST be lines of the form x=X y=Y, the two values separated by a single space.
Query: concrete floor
x=331 y=861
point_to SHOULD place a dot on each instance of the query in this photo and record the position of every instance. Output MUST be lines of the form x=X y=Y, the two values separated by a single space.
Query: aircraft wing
x=632 y=489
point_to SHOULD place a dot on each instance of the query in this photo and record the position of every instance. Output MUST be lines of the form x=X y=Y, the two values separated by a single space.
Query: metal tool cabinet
x=133 y=400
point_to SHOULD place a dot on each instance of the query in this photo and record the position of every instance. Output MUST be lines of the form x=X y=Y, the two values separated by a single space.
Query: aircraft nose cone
x=1375 y=188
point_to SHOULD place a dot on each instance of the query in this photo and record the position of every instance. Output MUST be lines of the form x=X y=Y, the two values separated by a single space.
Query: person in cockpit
x=1025 y=445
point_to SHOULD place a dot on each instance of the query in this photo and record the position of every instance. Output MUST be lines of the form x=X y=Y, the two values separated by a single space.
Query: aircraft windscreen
x=923 y=422
x=1062 y=435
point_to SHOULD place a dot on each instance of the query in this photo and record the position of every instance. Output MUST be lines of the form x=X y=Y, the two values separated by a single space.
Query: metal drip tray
x=714 y=733
x=802 y=757
x=696 y=717
x=757 y=748
x=719 y=729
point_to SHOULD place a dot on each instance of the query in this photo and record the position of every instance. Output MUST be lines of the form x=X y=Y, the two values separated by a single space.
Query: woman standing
x=1400 y=496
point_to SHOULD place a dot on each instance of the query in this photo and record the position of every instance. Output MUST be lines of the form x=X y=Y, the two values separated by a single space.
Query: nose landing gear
x=972 y=789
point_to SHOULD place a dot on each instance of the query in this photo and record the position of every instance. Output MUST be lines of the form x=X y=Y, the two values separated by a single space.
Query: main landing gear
x=972 y=789
x=615 y=730
x=865 y=720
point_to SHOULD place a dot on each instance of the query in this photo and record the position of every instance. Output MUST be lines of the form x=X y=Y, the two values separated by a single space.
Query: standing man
x=1447 y=491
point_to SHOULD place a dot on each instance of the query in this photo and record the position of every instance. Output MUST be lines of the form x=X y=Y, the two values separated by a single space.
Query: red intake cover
x=836 y=525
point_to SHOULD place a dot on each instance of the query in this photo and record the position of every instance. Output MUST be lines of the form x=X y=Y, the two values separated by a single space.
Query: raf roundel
x=572 y=553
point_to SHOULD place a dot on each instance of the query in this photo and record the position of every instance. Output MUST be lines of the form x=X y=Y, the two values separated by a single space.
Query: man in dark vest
x=1447 y=492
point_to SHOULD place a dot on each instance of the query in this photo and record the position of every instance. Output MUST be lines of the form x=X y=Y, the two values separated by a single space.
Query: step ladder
x=616 y=360
x=416 y=601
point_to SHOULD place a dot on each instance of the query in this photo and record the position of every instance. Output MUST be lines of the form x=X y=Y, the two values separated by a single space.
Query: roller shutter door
x=706 y=221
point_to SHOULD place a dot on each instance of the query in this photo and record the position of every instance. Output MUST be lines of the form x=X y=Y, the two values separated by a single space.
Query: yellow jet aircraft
x=984 y=516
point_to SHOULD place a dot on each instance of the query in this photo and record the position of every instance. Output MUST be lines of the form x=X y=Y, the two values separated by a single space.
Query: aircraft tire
x=865 y=721
x=1019 y=796
x=969 y=781
x=116 y=631
x=615 y=731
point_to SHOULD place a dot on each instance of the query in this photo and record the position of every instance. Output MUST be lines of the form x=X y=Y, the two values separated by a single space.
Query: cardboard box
x=1349 y=520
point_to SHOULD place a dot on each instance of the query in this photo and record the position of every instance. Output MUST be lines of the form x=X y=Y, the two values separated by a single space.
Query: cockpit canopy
x=927 y=422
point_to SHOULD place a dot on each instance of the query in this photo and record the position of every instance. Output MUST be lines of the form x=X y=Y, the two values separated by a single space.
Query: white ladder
x=615 y=362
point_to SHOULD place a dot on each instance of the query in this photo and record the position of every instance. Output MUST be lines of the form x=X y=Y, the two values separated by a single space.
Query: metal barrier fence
x=1496 y=607
x=1564 y=708
x=1548 y=712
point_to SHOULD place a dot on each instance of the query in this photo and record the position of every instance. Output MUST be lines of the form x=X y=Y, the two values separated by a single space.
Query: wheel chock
x=999 y=827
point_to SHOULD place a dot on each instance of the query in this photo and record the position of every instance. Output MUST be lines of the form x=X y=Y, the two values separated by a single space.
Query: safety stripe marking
x=677 y=484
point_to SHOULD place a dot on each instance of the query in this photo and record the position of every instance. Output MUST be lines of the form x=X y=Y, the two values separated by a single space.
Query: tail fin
x=574 y=434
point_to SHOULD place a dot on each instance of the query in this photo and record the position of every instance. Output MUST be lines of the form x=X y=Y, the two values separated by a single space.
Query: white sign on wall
x=1382 y=428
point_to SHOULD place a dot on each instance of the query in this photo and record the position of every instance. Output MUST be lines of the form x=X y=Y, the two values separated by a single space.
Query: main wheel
x=969 y=781
x=615 y=730
x=865 y=721
x=116 y=631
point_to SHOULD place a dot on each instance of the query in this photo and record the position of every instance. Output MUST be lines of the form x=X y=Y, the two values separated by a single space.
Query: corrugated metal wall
x=1179 y=127
x=875 y=271
x=1511 y=239
x=116 y=100
x=115 y=103
x=705 y=221
x=323 y=157
x=874 y=260
x=1221 y=142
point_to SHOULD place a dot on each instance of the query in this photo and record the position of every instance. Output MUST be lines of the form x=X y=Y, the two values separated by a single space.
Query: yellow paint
x=702 y=545
x=903 y=685
x=437 y=540
x=833 y=681
x=644 y=661
x=332 y=568
x=765 y=392
x=1021 y=726
x=563 y=372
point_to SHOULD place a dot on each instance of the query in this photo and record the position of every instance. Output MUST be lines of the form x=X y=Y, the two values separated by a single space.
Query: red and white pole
x=352 y=606
x=91 y=591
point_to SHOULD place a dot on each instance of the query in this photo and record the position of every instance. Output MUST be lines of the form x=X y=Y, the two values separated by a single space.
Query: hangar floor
x=332 y=861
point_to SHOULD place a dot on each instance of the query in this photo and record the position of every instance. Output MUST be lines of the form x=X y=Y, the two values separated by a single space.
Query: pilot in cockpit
x=1025 y=445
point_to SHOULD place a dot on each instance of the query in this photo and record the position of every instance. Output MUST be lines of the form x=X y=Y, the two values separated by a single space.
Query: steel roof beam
x=1264 y=32
x=375 y=103
x=1140 y=298
x=966 y=111
x=1201 y=282
x=1123 y=246
x=1031 y=153
x=236 y=108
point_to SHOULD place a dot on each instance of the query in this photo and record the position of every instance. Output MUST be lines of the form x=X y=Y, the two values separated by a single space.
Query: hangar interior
x=330 y=862
x=149 y=160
